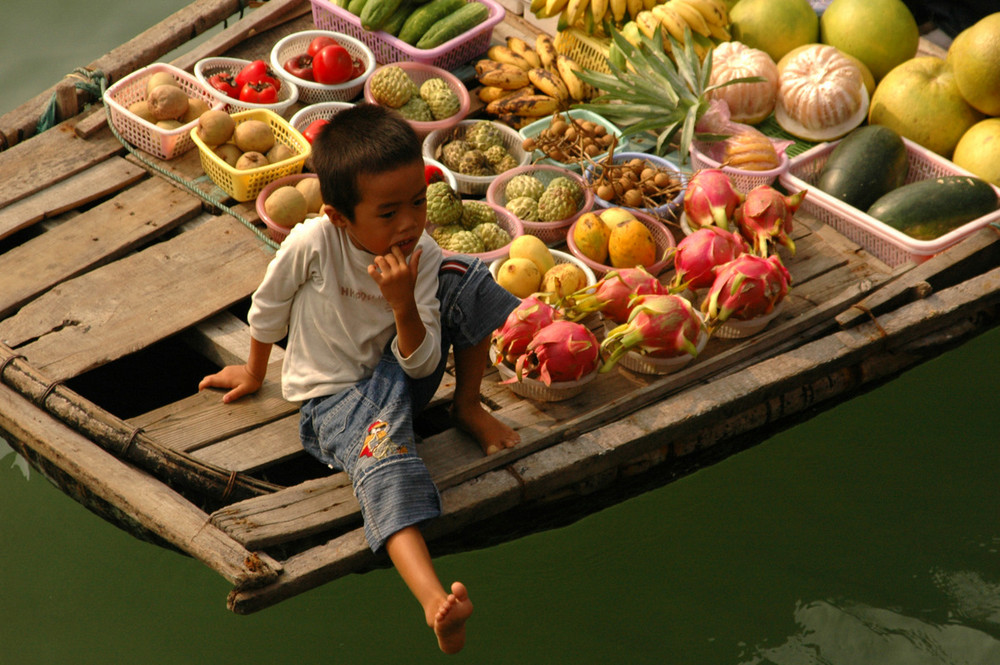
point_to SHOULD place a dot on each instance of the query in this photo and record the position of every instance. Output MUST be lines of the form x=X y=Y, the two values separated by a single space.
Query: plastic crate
x=244 y=185
x=205 y=68
x=551 y=233
x=311 y=92
x=159 y=142
x=662 y=236
x=588 y=51
x=420 y=72
x=389 y=49
x=881 y=240
x=744 y=179
x=534 y=129
x=474 y=185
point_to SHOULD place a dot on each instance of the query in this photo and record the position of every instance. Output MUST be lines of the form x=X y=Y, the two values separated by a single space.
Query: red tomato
x=301 y=66
x=314 y=129
x=263 y=92
x=223 y=82
x=317 y=44
x=256 y=72
x=432 y=174
x=358 y=69
x=332 y=64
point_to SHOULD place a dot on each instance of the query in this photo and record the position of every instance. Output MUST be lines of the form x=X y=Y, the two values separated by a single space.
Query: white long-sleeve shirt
x=317 y=290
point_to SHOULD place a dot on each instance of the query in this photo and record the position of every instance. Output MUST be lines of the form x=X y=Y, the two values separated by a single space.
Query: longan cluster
x=570 y=139
x=636 y=183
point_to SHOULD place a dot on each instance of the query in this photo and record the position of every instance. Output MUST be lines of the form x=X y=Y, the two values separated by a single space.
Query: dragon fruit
x=698 y=255
x=512 y=338
x=611 y=295
x=561 y=351
x=711 y=199
x=661 y=326
x=765 y=218
x=745 y=288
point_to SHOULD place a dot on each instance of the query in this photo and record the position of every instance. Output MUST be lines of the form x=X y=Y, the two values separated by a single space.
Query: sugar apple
x=441 y=233
x=440 y=97
x=452 y=152
x=392 y=86
x=572 y=185
x=464 y=242
x=506 y=164
x=443 y=205
x=556 y=203
x=523 y=207
x=416 y=109
x=484 y=134
x=524 y=184
x=475 y=213
x=495 y=154
x=493 y=235
x=474 y=162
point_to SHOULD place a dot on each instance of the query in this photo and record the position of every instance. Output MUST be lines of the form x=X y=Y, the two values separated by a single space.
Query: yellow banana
x=720 y=33
x=714 y=11
x=568 y=68
x=515 y=121
x=648 y=24
x=634 y=7
x=691 y=16
x=618 y=8
x=546 y=50
x=554 y=7
x=671 y=21
x=504 y=54
x=574 y=10
x=521 y=47
x=536 y=7
x=501 y=74
x=488 y=93
x=533 y=106
x=599 y=8
x=549 y=83
x=649 y=4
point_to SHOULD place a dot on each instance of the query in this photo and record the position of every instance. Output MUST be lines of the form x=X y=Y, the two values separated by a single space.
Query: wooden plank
x=224 y=339
x=95 y=183
x=256 y=449
x=138 y=300
x=95 y=237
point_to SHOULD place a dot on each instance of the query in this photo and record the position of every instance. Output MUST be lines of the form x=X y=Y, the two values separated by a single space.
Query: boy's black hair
x=363 y=139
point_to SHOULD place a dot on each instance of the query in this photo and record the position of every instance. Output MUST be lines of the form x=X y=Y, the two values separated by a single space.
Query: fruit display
x=698 y=255
x=774 y=26
x=531 y=268
x=255 y=83
x=477 y=229
x=531 y=199
x=250 y=144
x=634 y=182
x=746 y=288
x=867 y=163
x=432 y=99
x=325 y=61
x=424 y=25
x=477 y=149
x=748 y=103
x=165 y=103
x=879 y=33
x=570 y=139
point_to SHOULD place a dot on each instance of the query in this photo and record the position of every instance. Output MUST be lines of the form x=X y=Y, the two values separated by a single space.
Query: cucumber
x=466 y=18
x=356 y=6
x=867 y=163
x=394 y=23
x=376 y=12
x=424 y=16
x=927 y=209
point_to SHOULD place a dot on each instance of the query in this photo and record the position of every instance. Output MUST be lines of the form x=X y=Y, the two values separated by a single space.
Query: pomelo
x=974 y=56
x=774 y=26
x=919 y=99
x=866 y=74
x=879 y=33
x=978 y=151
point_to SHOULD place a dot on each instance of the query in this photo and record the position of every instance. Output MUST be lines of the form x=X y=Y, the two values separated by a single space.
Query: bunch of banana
x=521 y=82
x=708 y=19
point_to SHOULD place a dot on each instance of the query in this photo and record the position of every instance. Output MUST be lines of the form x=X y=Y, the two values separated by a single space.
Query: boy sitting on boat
x=370 y=309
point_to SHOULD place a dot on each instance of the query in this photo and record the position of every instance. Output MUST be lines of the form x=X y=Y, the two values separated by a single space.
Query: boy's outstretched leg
x=468 y=410
x=449 y=622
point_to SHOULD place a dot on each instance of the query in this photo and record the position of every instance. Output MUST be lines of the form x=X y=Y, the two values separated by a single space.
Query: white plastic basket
x=311 y=92
x=306 y=115
x=881 y=240
x=473 y=185
x=205 y=68
x=159 y=142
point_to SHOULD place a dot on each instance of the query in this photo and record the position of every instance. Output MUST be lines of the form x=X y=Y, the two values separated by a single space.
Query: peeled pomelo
x=821 y=94
x=978 y=151
x=866 y=74
x=920 y=100
x=879 y=33
x=774 y=26
x=974 y=57
x=749 y=103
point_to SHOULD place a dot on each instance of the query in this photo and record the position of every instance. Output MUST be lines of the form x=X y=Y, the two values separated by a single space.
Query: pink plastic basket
x=419 y=73
x=551 y=233
x=388 y=49
x=662 y=236
x=881 y=240
x=162 y=143
x=743 y=179
x=507 y=222
x=277 y=231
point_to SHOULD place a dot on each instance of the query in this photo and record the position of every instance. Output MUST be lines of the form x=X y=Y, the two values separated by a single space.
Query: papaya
x=864 y=165
x=928 y=209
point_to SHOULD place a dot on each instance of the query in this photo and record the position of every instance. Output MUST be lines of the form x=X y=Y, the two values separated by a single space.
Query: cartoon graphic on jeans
x=378 y=444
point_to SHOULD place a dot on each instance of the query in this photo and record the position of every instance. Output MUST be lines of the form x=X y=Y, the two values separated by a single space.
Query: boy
x=369 y=309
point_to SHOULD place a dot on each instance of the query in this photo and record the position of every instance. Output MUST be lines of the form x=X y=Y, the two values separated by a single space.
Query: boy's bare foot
x=492 y=434
x=449 y=622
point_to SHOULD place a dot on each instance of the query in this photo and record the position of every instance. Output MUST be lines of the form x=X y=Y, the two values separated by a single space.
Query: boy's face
x=392 y=210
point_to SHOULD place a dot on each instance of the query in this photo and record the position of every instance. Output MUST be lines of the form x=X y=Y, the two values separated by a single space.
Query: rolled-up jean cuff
x=395 y=493
x=474 y=306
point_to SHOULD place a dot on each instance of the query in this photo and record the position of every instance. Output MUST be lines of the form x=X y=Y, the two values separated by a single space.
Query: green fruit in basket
x=464 y=19
x=571 y=185
x=441 y=233
x=464 y=242
x=474 y=162
x=524 y=184
x=493 y=235
x=424 y=16
x=452 y=152
x=557 y=203
x=391 y=86
x=475 y=213
x=484 y=134
x=440 y=97
x=506 y=164
x=523 y=207
x=416 y=109
x=495 y=155
x=443 y=204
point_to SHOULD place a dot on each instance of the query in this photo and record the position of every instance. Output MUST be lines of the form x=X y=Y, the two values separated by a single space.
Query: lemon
x=774 y=26
x=879 y=33
x=978 y=151
x=974 y=56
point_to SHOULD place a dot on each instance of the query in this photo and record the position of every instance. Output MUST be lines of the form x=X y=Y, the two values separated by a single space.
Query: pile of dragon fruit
x=732 y=252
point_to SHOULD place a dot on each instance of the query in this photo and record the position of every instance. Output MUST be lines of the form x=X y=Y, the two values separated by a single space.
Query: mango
x=520 y=276
x=631 y=245
x=533 y=248
x=591 y=236
x=561 y=280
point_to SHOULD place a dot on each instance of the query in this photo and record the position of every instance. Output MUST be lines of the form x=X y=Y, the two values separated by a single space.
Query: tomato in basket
x=318 y=43
x=255 y=72
x=314 y=129
x=224 y=83
x=332 y=64
x=262 y=92
x=300 y=66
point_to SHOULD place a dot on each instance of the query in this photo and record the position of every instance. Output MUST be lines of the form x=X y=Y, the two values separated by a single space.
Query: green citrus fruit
x=774 y=26
x=978 y=151
x=919 y=99
x=879 y=33
x=974 y=56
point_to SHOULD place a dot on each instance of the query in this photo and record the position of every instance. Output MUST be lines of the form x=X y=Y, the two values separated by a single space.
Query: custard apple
x=392 y=86
x=524 y=184
x=556 y=203
x=523 y=207
x=506 y=164
x=440 y=97
x=484 y=135
x=416 y=109
x=475 y=213
x=443 y=205
x=493 y=235
x=572 y=185
x=452 y=152
x=495 y=154
x=464 y=242
x=474 y=163
x=441 y=233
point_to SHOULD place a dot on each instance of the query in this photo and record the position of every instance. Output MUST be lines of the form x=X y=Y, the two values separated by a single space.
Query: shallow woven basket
x=662 y=236
x=743 y=179
x=311 y=92
x=474 y=185
x=419 y=73
x=537 y=390
x=205 y=68
x=670 y=210
x=551 y=233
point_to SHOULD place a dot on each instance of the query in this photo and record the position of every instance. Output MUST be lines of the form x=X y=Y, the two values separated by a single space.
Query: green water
x=869 y=535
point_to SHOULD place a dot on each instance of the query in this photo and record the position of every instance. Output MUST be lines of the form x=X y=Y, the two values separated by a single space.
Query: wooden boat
x=120 y=289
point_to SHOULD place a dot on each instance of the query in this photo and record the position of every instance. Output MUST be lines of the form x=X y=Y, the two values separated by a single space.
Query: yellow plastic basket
x=245 y=185
x=588 y=51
